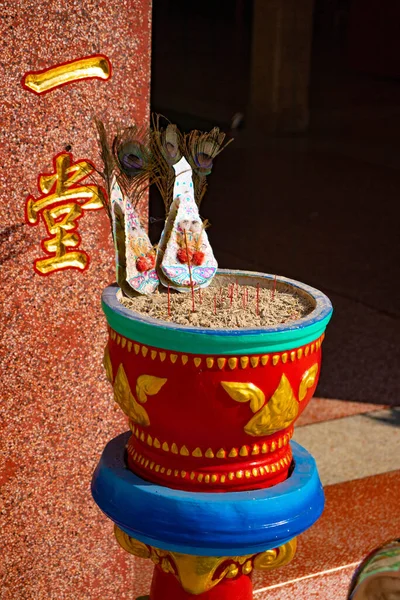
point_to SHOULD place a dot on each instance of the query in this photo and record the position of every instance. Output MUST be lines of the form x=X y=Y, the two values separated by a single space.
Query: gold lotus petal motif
x=197 y=574
x=307 y=381
x=245 y=392
x=148 y=385
x=131 y=545
x=107 y=364
x=278 y=413
x=276 y=557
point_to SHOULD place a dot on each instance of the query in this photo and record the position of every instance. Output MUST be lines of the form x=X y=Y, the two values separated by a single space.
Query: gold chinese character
x=63 y=200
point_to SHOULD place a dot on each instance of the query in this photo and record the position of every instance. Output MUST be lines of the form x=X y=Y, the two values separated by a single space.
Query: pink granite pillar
x=57 y=412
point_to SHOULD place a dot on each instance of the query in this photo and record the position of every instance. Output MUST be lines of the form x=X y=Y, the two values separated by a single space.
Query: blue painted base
x=206 y=524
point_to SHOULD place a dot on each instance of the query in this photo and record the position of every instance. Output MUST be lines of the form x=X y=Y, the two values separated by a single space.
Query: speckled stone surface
x=57 y=413
x=327 y=586
x=359 y=516
x=354 y=447
x=327 y=409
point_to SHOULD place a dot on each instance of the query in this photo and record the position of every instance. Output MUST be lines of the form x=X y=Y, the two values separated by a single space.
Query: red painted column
x=56 y=403
x=166 y=587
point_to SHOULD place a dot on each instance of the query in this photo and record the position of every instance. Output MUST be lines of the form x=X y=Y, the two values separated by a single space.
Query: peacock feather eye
x=203 y=161
x=171 y=144
x=132 y=158
x=171 y=149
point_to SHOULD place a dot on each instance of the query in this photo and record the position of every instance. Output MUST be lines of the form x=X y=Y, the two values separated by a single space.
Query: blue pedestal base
x=207 y=524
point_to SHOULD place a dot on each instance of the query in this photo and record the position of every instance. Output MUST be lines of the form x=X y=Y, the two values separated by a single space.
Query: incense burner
x=214 y=488
x=213 y=409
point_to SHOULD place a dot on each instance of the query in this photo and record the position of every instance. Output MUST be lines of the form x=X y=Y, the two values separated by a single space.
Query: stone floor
x=361 y=509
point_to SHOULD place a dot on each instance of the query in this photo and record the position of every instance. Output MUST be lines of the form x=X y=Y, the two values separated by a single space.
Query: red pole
x=166 y=587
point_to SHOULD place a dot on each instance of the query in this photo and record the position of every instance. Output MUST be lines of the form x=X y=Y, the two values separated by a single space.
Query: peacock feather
x=166 y=145
x=134 y=161
x=178 y=165
x=108 y=162
x=200 y=151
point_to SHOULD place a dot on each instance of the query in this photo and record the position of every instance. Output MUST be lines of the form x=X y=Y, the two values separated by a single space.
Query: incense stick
x=190 y=273
x=274 y=288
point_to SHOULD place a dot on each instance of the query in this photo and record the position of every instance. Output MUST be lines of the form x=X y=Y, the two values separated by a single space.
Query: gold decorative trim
x=107 y=365
x=220 y=362
x=146 y=385
x=244 y=362
x=209 y=362
x=275 y=558
x=254 y=360
x=214 y=477
x=244 y=450
x=198 y=574
x=272 y=416
x=307 y=381
x=232 y=362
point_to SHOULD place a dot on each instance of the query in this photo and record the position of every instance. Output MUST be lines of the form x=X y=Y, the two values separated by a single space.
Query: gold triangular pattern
x=277 y=414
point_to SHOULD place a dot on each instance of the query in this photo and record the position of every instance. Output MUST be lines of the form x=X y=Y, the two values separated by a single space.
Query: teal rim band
x=196 y=340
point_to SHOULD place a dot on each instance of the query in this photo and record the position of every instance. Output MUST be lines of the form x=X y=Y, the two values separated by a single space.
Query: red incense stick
x=169 y=301
x=274 y=288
